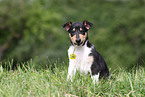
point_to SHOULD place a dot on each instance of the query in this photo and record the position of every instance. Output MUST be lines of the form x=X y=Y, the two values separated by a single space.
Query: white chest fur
x=83 y=61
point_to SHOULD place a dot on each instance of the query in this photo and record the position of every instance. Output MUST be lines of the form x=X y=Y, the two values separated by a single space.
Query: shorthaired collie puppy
x=82 y=53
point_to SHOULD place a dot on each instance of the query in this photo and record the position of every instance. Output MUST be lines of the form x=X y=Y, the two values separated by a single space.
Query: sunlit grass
x=27 y=81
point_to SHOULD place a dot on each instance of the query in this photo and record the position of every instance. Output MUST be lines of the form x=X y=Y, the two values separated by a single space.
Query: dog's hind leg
x=95 y=78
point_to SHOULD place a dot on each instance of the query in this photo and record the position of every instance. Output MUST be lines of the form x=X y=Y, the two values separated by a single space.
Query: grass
x=27 y=81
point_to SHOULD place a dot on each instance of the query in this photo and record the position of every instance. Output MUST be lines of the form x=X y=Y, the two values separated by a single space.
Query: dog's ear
x=87 y=24
x=67 y=25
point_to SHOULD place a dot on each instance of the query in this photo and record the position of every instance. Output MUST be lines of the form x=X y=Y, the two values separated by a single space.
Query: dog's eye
x=81 y=29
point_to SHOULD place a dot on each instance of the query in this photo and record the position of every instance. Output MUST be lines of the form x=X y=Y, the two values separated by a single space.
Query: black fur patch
x=99 y=64
x=89 y=44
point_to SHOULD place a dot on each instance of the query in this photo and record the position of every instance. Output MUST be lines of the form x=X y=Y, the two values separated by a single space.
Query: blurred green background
x=33 y=29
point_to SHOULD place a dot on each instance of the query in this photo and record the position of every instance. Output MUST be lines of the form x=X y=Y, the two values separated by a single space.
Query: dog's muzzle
x=78 y=42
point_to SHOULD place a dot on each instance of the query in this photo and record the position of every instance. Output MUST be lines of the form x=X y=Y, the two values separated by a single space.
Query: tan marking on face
x=73 y=38
x=83 y=37
x=74 y=29
x=81 y=29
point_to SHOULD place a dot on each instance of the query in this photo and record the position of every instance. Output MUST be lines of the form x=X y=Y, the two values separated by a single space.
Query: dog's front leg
x=71 y=71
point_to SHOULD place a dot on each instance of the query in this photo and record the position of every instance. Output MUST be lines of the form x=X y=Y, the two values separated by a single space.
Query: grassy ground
x=27 y=82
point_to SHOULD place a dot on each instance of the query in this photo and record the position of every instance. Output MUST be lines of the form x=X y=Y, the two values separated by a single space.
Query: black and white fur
x=87 y=58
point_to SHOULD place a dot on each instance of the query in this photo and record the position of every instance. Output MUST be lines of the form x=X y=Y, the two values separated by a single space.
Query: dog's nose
x=78 y=40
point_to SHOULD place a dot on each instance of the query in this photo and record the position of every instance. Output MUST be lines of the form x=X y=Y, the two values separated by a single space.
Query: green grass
x=27 y=82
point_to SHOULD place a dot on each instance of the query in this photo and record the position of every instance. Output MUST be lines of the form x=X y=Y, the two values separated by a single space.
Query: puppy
x=82 y=54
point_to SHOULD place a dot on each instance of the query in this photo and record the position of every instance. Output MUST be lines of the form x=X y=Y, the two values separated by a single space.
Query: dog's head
x=78 y=31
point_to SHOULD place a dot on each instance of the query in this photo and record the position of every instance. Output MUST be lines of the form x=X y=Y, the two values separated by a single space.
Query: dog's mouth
x=79 y=44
